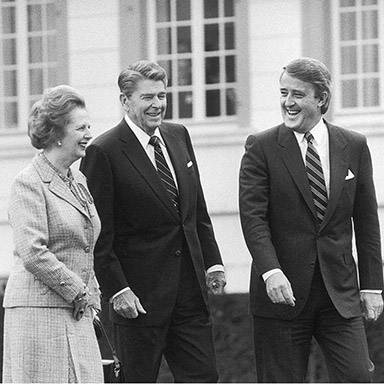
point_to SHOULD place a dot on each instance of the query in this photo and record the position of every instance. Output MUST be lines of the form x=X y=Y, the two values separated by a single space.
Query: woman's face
x=76 y=135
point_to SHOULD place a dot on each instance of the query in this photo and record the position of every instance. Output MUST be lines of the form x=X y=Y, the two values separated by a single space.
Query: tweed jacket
x=54 y=239
x=279 y=221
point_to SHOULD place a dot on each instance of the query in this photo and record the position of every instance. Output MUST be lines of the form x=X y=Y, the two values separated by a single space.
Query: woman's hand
x=81 y=303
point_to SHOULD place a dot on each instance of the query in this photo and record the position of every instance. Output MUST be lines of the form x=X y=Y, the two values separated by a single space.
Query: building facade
x=223 y=57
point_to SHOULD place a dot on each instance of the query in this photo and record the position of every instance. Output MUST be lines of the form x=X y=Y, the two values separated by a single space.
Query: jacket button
x=178 y=253
x=87 y=249
x=312 y=265
x=62 y=283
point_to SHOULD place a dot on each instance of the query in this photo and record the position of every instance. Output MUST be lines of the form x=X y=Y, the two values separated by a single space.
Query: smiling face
x=147 y=105
x=76 y=135
x=300 y=107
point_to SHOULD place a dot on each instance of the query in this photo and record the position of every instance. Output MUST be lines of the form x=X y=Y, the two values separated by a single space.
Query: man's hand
x=128 y=305
x=279 y=289
x=216 y=282
x=372 y=305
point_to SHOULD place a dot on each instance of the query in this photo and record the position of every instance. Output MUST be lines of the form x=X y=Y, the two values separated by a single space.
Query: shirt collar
x=142 y=136
x=319 y=133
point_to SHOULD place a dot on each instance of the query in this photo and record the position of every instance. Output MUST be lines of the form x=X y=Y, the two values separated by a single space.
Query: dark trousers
x=282 y=346
x=186 y=340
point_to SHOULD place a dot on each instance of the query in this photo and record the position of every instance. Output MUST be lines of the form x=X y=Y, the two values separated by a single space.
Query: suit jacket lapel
x=134 y=152
x=56 y=184
x=338 y=160
x=293 y=160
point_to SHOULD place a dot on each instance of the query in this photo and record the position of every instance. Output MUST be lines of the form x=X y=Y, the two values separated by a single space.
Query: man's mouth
x=292 y=113
x=154 y=114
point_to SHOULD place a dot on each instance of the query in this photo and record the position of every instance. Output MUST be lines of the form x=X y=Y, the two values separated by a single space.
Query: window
x=359 y=54
x=29 y=48
x=194 y=41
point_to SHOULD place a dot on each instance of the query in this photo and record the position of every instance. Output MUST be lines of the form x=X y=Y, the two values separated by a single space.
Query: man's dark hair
x=314 y=72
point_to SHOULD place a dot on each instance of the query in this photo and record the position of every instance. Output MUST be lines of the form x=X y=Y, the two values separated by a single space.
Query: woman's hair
x=141 y=70
x=50 y=115
x=314 y=72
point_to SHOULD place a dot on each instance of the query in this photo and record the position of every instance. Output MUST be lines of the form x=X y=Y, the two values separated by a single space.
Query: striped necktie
x=316 y=178
x=165 y=173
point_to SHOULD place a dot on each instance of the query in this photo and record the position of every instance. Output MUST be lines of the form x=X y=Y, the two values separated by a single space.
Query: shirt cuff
x=378 y=291
x=216 y=268
x=118 y=293
x=270 y=273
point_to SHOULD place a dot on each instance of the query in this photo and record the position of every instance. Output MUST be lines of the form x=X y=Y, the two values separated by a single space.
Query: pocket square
x=350 y=175
x=189 y=164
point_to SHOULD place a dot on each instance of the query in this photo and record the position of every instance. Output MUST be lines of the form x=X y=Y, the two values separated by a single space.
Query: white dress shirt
x=321 y=144
x=149 y=149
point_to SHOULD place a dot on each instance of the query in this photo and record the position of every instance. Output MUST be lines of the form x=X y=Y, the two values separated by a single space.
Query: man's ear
x=323 y=99
x=124 y=102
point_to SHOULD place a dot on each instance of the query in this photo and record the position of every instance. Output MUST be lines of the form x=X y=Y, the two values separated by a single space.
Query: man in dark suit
x=157 y=253
x=303 y=185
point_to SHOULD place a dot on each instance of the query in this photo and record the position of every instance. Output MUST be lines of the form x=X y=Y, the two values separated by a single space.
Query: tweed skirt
x=47 y=345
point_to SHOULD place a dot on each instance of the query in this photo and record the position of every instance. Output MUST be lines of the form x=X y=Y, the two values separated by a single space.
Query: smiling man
x=156 y=257
x=303 y=186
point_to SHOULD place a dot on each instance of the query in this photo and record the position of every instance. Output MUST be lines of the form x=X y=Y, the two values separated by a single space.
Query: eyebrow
x=293 y=90
x=154 y=93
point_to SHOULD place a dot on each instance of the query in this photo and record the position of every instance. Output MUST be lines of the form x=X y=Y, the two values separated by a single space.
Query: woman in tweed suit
x=48 y=330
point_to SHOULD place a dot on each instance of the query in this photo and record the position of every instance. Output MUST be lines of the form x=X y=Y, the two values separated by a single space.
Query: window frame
x=338 y=108
x=198 y=56
x=22 y=66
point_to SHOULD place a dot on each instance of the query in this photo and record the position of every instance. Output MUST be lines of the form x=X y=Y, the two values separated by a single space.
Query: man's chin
x=292 y=127
x=156 y=122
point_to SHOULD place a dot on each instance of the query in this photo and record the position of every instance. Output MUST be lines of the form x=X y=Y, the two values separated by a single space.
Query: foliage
x=234 y=343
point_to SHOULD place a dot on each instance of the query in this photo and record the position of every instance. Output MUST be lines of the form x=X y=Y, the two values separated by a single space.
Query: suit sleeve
x=366 y=225
x=97 y=168
x=210 y=249
x=254 y=181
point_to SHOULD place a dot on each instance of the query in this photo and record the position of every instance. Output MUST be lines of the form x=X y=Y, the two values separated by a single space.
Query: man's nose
x=289 y=100
x=156 y=102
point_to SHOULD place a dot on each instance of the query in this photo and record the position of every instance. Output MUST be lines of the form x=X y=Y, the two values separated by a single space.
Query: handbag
x=113 y=369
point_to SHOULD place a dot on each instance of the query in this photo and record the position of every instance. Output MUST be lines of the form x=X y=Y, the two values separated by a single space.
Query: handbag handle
x=114 y=355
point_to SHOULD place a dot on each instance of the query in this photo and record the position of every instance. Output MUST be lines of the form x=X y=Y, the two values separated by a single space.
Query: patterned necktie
x=165 y=173
x=316 y=178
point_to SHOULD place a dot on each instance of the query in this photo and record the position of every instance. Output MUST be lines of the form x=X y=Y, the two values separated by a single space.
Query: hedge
x=233 y=341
